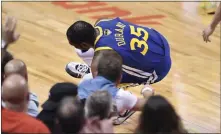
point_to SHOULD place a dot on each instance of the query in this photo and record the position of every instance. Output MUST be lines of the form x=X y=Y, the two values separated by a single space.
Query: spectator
x=56 y=94
x=15 y=94
x=8 y=36
x=107 y=75
x=70 y=116
x=98 y=104
x=6 y=57
x=18 y=67
x=158 y=116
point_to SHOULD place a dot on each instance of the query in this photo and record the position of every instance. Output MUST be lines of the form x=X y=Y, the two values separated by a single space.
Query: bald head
x=15 y=66
x=15 y=89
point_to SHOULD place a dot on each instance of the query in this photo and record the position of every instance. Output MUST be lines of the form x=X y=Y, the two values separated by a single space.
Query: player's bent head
x=159 y=116
x=81 y=35
x=110 y=65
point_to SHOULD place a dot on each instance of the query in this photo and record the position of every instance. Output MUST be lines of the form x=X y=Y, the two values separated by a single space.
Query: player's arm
x=147 y=92
x=210 y=29
x=102 y=19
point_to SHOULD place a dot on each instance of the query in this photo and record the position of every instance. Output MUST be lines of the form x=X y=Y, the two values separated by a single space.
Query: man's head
x=15 y=93
x=81 y=35
x=16 y=66
x=99 y=104
x=108 y=63
x=70 y=115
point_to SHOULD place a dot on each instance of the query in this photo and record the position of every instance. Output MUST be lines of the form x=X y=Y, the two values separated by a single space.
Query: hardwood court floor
x=192 y=86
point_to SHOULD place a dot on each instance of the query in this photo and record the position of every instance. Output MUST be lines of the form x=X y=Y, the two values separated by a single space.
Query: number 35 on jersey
x=135 y=42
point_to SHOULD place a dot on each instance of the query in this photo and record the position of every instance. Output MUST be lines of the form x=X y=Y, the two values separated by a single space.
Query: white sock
x=86 y=56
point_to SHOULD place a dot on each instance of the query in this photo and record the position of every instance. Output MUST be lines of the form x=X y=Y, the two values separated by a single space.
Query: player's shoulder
x=104 y=20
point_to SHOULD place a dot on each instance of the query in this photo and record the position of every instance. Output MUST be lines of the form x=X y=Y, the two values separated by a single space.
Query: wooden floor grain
x=192 y=86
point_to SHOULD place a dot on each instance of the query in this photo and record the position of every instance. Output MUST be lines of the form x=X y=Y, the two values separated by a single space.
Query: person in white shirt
x=107 y=72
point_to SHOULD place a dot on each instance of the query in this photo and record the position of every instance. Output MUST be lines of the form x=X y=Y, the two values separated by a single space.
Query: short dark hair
x=109 y=65
x=70 y=115
x=80 y=32
x=159 y=116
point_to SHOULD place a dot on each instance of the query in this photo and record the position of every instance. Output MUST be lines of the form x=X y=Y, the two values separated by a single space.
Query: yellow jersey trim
x=103 y=48
x=101 y=20
x=99 y=36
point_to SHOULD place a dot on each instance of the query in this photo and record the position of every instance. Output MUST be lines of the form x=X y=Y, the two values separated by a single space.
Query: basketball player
x=210 y=29
x=145 y=52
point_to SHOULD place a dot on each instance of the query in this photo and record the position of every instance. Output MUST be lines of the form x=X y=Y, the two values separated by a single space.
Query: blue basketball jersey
x=143 y=49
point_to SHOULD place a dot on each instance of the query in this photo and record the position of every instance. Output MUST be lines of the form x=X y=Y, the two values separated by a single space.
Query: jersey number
x=139 y=43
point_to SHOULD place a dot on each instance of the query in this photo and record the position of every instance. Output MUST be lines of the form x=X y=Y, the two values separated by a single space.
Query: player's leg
x=78 y=70
x=141 y=77
x=86 y=56
x=163 y=69
x=129 y=80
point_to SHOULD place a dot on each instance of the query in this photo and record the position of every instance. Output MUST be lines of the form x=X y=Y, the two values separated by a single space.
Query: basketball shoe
x=78 y=70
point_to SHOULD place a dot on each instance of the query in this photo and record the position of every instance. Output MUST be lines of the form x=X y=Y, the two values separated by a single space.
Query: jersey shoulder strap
x=102 y=20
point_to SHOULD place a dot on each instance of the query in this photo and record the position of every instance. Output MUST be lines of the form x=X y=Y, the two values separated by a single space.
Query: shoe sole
x=75 y=75
x=121 y=120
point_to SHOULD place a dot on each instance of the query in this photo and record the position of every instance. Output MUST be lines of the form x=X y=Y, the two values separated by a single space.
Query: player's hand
x=147 y=91
x=8 y=33
x=207 y=32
